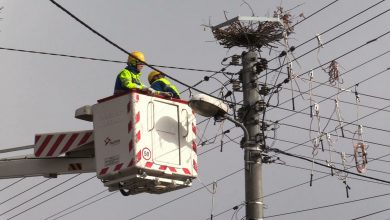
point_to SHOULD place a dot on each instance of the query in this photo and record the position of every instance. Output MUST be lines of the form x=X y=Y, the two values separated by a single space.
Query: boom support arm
x=28 y=166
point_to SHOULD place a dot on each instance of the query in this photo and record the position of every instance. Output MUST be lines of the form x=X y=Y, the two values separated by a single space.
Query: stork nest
x=257 y=36
x=253 y=34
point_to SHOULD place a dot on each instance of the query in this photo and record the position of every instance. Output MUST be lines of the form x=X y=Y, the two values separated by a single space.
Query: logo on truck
x=110 y=142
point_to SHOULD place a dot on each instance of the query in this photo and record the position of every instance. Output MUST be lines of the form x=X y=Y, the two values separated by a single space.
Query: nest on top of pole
x=253 y=32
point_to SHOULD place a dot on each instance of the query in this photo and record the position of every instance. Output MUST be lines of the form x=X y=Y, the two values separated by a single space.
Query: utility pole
x=251 y=33
x=253 y=148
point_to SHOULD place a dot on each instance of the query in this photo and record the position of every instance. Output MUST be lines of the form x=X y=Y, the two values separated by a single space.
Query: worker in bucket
x=129 y=77
x=161 y=85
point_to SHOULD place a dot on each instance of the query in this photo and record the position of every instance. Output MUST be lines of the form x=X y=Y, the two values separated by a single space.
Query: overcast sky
x=39 y=94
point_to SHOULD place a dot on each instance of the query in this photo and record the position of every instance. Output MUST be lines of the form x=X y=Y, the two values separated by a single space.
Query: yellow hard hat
x=152 y=74
x=132 y=61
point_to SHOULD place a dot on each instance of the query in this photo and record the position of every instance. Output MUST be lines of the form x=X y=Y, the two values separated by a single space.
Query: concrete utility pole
x=253 y=148
x=263 y=32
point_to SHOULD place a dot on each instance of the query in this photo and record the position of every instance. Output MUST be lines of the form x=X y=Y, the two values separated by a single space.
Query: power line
x=123 y=50
x=374 y=213
x=107 y=60
x=24 y=191
x=338 y=36
x=345 y=125
x=314 y=13
x=57 y=213
x=58 y=194
x=350 y=70
x=166 y=203
x=360 y=82
x=317 y=171
x=85 y=205
x=6 y=187
x=331 y=119
x=335 y=26
x=38 y=195
x=300 y=184
x=113 y=193
x=306 y=18
x=324 y=165
x=292 y=142
x=324 y=83
x=341 y=101
x=346 y=53
x=327 y=206
x=344 y=21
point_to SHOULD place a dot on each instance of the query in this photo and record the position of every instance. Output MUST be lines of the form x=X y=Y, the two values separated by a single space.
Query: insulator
x=259 y=138
x=229 y=93
x=317 y=108
x=283 y=53
x=240 y=113
x=236 y=85
x=260 y=106
x=261 y=65
x=264 y=90
x=235 y=60
x=360 y=155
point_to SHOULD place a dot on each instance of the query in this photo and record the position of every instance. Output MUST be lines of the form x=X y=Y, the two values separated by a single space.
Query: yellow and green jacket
x=128 y=78
x=163 y=85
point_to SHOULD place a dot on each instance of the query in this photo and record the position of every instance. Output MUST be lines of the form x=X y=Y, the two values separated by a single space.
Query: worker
x=129 y=77
x=161 y=85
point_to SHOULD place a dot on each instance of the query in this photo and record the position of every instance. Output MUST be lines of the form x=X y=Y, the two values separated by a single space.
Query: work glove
x=167 y=94
x=148 y=90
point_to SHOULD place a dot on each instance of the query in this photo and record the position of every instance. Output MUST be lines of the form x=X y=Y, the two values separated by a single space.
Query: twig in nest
x=286 y=18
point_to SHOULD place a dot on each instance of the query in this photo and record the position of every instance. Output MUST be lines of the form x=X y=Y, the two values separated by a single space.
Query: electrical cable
x=184 y=195
x=327 y=206
x=331 y=40
x=109 y=194
x=355 y=15
x=304 y=183
x=106 y=60
x=346 y=53
x=346 y=124
x=331 y=119
x=324 y=165
x=57 y=213
x=6 y=187
x=319 y=10
x=123 y=50
x=325 y=83
x=314 y=13
x=24 y=191
x=85 y=205
x=308 y=146
x=345 y=102
x=318 y=171
x=362 y=81
x=58 y=194
x=3 y=213
x=298 y=185
x=373 y=213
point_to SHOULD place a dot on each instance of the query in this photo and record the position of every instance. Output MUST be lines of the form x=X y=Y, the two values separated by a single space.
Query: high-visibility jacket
x=163 y=85
x=128 y=78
